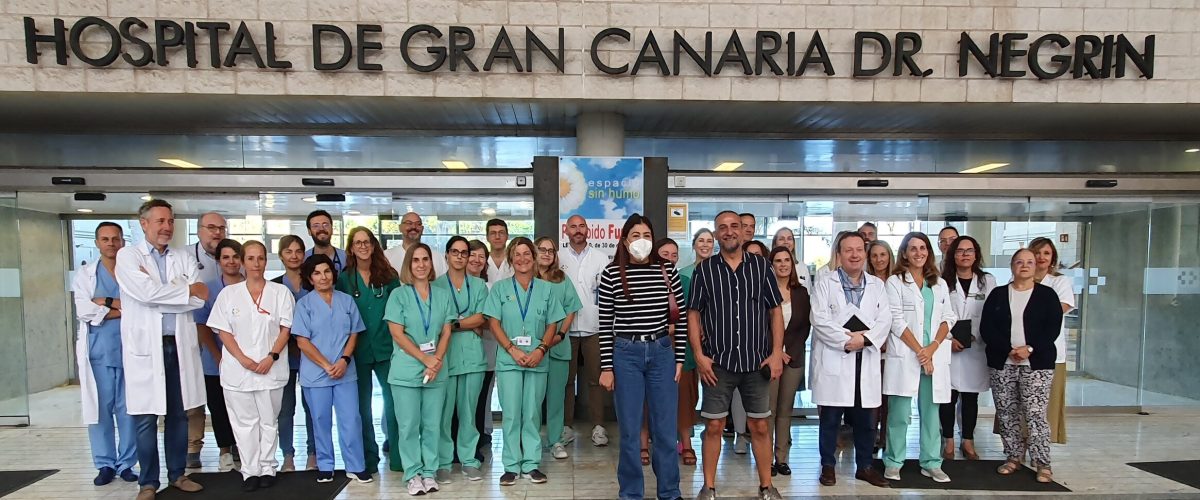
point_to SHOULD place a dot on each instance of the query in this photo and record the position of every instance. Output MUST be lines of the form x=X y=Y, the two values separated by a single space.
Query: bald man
x=411 y=228
x=210 y=230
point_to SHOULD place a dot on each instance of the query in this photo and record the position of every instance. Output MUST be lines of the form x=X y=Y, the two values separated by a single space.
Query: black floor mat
x=971 y=475
x=288 y=486
x=1180 y=471
x=13 y=480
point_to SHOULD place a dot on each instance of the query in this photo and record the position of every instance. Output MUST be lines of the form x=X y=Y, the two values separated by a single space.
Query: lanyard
x=258 y=301
x=425 y=317
x=528 y=297
x=466 y=283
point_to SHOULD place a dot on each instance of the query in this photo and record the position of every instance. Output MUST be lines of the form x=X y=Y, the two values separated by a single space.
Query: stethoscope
x=358 y=289
x=196 y=250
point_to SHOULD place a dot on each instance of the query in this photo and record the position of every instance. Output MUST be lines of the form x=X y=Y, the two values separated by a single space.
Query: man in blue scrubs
x=102 y=377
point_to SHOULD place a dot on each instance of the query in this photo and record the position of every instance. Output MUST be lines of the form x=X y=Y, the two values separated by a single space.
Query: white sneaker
x=289 y=464
x=226 y=462
x=892 y=473
x=416 y=487
x=567 y=436
x=559 y=451
x=599 y=436
x=936 y=475
x=742 y=444
x=430 y=483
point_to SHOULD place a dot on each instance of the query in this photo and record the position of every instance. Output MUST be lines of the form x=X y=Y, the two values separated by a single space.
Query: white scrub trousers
x=253 y=416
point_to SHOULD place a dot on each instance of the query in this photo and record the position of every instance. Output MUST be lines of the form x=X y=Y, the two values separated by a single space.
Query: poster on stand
x=605 y=191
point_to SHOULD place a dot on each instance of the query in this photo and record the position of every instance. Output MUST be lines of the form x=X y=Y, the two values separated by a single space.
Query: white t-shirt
x=495 y=273
x=1017 y=301
x=1066 y=295
x=256 y=332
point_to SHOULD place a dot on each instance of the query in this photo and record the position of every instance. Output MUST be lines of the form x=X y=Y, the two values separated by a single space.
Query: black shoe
x=128 y=476
x=536 y=476
x=324 y=476
x=774 y=470
x=266 y=481
x=783 y=469
x=250 y=484
x=873 y=477
x=386 y=447
x=508 y=479
x=105 y=476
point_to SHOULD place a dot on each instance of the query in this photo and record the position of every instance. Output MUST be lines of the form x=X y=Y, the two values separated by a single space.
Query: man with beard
x=583 y=264
x=320 y=228
x=412 y=229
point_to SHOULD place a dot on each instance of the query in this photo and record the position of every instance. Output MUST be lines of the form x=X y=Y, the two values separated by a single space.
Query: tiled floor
x=1092 y=464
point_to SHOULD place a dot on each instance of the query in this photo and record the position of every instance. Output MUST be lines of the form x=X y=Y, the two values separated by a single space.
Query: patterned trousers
x=1020 y=394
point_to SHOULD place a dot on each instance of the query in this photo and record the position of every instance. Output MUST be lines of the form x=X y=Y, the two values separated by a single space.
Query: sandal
x=645 y=456
x=1008 y=467
x=689 y=457
x=1045 y=475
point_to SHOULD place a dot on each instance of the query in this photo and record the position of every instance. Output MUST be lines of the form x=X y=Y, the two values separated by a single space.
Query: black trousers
x=970 y=414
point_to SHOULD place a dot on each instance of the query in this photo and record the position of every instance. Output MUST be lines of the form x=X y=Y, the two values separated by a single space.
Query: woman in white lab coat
x=254 y=320
x=969 y=287
x=918 y=358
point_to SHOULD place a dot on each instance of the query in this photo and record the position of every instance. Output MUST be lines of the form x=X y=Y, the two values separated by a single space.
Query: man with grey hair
x=210 y=230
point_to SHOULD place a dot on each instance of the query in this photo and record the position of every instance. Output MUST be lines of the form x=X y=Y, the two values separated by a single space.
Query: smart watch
x=346 y=359
x=455 y=325
x=108 y=301
x=274 y=356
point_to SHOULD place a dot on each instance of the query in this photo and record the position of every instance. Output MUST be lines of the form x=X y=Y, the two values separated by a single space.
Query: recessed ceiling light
x=983 y=168
x=352 y=212
x=147 y=198
x=728 y=166
x=1193 y=150
x=489 y=211
x=84 y=210
x=455 y=164
x=179 y=163
x=309 y=199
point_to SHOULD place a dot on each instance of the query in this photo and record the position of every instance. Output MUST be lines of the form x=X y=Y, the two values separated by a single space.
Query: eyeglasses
x=545 y=251
x=361 y=243
x=214 y=228
x=320 y=225
x=458 y=253
x=411 y=223
x=964 y=251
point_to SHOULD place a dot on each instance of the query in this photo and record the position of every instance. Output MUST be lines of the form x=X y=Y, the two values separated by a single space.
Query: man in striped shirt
x=734 y=298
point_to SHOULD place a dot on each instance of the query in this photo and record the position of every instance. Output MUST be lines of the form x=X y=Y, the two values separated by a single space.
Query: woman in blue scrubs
x=326 y=325
x=522 y=314
x=291 y=254
x=419 y=316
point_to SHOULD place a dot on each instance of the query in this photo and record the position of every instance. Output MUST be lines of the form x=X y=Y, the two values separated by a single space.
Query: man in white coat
x=98 y=351
x=163 y=375
x=583 y=264
x=845 y=364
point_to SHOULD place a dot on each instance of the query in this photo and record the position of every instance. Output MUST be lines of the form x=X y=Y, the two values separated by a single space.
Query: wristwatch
x=455 y=325
x=108 y=302
x=347 y=359
x=274 y=356
x=1030 y=349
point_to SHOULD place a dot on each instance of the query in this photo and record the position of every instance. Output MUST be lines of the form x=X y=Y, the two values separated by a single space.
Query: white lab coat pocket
x=831 y=362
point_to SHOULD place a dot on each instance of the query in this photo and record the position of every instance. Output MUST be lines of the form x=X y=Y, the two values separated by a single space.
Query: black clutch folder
x=855 y=325
x=962 y=332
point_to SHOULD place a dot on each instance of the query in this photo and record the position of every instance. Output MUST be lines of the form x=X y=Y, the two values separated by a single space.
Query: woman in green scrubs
x=560 y=352
x=522 y=314
x=465 y=362
x=370 y=279
x=419 y=316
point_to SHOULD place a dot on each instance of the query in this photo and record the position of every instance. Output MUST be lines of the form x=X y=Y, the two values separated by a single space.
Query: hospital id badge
x=525 y=341
x=428 y=347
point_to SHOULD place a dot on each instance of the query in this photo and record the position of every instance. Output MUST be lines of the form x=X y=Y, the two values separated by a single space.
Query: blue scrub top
x=339 y=259
x=297 y=294
x=200 y=316
x=104 y=340
x=328 y=327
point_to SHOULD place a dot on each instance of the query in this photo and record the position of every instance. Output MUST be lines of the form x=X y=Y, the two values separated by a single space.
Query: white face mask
x=640 y=249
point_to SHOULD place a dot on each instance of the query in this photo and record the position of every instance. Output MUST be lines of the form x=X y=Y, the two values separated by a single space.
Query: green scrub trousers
x=521 y=395
x=370 y=446
x=556 y=397
x=419 y=429
x=461 y=397
x=900 y=413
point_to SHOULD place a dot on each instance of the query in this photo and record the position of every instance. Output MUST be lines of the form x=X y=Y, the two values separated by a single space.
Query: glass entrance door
x=14 y=393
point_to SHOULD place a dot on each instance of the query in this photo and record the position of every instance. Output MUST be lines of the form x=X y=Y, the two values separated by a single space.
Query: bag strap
x=672 y=304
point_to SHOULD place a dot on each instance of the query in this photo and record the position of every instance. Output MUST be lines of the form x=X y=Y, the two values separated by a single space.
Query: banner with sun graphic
x=605 y=191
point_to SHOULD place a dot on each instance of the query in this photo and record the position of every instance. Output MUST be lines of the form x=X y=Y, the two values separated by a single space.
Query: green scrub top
x=564 y=292
x=541 y=309
x=466 y=347
x=423 y=322
x=927 y=295
x=375 y=344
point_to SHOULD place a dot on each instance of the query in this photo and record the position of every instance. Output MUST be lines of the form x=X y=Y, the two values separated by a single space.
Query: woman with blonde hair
x=1047 y=274
x=880 y=261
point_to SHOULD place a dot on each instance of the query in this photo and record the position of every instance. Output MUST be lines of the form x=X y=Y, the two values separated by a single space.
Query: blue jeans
x=287 y=417
x=175 y=427
x=862 y=421
x=110 y=394
x=644 y=374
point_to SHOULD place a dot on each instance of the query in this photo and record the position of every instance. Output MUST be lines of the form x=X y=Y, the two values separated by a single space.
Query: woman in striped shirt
x=643 y=332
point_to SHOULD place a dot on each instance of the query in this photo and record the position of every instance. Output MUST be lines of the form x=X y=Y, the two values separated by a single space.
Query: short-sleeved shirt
x=328 y=326
x=568 y=297
x=200 y=316
x=506 y=302
x=375 y=343
x=423 y=321
x=735 y=310
x=255 y=327
x=465 y=354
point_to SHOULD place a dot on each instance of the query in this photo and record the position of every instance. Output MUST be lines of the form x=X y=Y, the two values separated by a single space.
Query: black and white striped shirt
x=646 y=310
x=735 y=310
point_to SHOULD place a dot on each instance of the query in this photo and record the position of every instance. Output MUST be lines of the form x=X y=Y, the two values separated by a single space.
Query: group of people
x=168 y=332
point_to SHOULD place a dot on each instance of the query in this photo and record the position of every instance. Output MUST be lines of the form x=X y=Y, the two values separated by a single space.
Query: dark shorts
x=754 y=389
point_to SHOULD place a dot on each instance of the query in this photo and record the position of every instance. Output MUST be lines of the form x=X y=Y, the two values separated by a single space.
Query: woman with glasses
x=1019 y=326
x=370 y=279
x=969 y=287
x=291 y=254
x=419 y=317
x=564 y=292
x=465 y=363
x=477 y=266
x=522 y=314
x=254 y=320
x=1047 y=274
